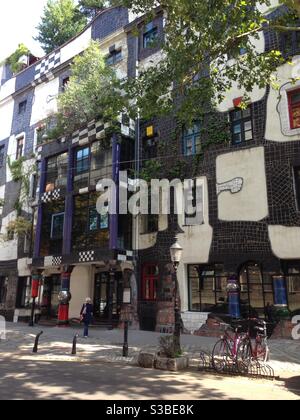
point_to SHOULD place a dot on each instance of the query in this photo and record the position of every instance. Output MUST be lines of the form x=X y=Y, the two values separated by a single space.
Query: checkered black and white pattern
x=50 y=196
x=86 y=256
x=56 y=261
x=47 y=64
x=125 y=256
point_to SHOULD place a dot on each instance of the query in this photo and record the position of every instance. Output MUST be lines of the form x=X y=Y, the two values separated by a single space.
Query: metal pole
x=36 y=344
x=31 y=322
x=74 y=347
x=125 y=346
x=177 y=341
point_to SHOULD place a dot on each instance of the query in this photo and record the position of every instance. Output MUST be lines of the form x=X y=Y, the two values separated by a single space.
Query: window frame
x=114 y=57
x=22 y=107
x=20 y=148
x=53 y=216
x=2 y=155
x=152 y=279
x=186 y=136
x=82 y=160
x=242 y=121
x=150 y=35
x=292 y=106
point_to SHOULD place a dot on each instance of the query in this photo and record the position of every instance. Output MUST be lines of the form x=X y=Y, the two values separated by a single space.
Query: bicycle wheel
x=244 y=356
x=263 y=352
x=220 y=354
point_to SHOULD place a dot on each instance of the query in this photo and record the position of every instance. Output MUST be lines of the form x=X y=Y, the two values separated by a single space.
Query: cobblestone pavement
x=106 y=346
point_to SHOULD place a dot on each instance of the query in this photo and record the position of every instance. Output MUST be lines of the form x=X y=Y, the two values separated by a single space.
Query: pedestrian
x=86 y=316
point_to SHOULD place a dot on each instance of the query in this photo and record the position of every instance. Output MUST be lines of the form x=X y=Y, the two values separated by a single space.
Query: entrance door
x=104 y=290
x=252 y=288
x=50 y=302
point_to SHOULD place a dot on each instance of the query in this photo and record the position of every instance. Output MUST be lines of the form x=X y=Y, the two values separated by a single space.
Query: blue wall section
x=108 y=22
x=25 y=78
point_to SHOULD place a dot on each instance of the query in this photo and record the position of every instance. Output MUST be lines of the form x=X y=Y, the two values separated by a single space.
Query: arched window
x=150 y=276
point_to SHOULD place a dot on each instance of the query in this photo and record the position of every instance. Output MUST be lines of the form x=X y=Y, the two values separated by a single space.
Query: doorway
x=108 y=296
x=50 y=302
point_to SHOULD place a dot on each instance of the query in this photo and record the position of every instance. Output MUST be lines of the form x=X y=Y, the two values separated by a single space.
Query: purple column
x=116 y=154
x=68 y=207
x=37 y=242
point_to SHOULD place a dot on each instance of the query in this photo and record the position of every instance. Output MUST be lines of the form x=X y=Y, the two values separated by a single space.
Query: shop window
x=57 y=171
x=150 y=35
x=114 y=57
x=22 y=107
x=20 y=147
x=150 y=279
x=293 y=286
x=241 y=125
x=207 y=287
x=3 y=289
x=57 y=226
x=90 y=229
x=294 y=108
x=23 y=292
x=192 y=140
x=2 y=156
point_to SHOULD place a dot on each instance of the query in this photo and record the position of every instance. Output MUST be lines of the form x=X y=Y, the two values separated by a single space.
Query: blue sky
x=18 y=19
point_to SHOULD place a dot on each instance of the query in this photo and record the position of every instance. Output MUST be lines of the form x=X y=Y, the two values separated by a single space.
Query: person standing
x=86 y=316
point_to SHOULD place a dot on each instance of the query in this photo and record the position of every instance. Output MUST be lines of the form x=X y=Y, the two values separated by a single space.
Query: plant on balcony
x=93 y=92
x=14 y=59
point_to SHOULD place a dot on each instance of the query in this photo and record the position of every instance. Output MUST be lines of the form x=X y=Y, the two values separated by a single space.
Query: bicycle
x=225 y=350
x=248 y=351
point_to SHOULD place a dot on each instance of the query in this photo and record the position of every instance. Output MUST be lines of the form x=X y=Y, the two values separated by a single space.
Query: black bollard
x=125 y=346
x=74 y=347
x=36 y=344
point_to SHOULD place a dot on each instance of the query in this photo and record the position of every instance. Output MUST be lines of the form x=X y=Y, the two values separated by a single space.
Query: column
x=69 y=207
x=233 y=290
x=64 y=296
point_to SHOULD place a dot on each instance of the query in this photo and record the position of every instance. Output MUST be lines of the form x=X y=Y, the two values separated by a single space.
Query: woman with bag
x=86 y=316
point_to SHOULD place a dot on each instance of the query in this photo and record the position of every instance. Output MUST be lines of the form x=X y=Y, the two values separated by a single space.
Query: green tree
x=90 y=8
x=61 y=21
x=13 y=59
x=93 y=91
x=201 y=38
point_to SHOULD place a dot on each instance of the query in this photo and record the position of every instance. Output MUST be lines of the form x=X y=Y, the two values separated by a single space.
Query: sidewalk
x=106 y=346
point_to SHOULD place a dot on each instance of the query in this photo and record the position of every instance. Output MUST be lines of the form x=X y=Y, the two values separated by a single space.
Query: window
x=150 y=279
x=150 y=35
x=290 y=42
x=294 y=108
x=192 y=140
x=22 y=107
x=207 y=287
x=293 y=285
x=3 y=288
x=2 y=154
x=57 y=171
x=65 y=83
x=20 y=147
x=297 y=185
x=97 y=221
x=82 y=160
x=149 y=223
x=57 y=226
x=114 y=57
x=241 y=125
x=23 y=292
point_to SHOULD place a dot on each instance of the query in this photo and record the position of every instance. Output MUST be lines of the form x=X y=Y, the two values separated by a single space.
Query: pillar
x=233 y=290
x=64 y=296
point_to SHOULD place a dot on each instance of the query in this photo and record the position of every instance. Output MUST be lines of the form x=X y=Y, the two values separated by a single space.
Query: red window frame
x=292 y=107
x=149 y=282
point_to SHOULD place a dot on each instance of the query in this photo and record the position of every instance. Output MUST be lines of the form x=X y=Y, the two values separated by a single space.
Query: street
x=28 y=380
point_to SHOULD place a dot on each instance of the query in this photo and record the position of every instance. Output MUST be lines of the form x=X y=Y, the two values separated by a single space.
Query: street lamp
x=176 y=254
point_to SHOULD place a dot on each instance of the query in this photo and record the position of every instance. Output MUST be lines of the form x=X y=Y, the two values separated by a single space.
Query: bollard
x=74 y=347
x=125 y=346
x=36 y=344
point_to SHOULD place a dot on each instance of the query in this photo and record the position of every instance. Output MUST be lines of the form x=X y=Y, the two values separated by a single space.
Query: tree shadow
x=293 y=384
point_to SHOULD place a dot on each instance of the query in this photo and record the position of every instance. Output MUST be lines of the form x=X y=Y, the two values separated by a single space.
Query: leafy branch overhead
x=202 y=53
x=93 y=91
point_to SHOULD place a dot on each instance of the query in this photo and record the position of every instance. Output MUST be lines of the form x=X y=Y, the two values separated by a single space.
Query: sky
x=18 y=20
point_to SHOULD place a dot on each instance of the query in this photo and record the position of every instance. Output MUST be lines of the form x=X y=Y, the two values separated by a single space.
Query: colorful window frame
x=150 y=277
x=294 y=108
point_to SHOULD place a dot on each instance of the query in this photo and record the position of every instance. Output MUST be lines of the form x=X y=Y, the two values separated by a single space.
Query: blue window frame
x=150 y=35
x=82 y=160
x=114 y=57
x=192 y=139
x=57 y=225
x=241 y=125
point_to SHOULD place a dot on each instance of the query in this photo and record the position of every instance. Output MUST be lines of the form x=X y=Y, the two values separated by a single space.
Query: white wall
x=285 y=242
x=76 y=46
x=278 y=121
x=45 y=100
x=251 y=203
x=6 y=117
x=81 y=287
x=8 y=88
x=8 y=249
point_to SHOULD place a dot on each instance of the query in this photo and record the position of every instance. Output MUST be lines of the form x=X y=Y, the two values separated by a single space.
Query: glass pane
x=57 y=226
x=195 y=303
x=93 y=219
x=237 y=128
x=237 y=138
x=295 y=97
x=296 y=116
x=246 y=112
x=248 y=135
x=248 y=125
x=237 y=115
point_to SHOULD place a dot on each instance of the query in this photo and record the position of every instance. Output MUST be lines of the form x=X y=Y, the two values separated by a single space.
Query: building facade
x=248 y=178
